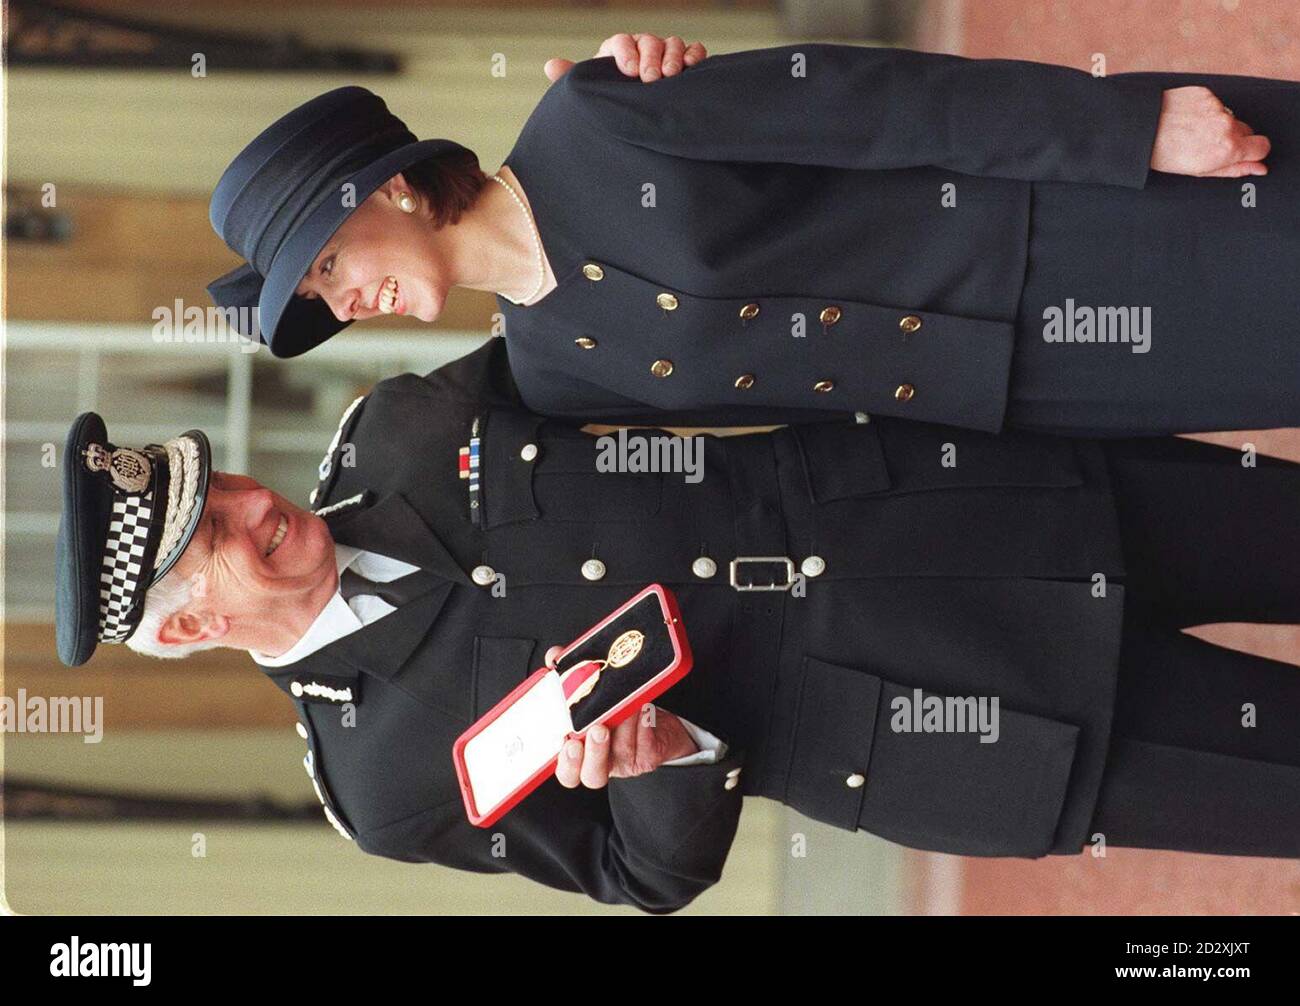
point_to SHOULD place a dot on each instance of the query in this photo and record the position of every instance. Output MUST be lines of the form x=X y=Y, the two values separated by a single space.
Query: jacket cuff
x=1134 y=135
x=688 y=816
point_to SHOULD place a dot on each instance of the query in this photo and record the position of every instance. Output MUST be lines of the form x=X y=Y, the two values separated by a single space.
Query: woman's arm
x=877 y=108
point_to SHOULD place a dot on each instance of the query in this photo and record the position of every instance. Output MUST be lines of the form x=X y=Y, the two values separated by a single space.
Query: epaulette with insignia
x=360 y=499
x=328 y=469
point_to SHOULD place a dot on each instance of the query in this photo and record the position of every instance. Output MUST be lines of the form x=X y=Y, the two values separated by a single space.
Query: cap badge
x=129 y=469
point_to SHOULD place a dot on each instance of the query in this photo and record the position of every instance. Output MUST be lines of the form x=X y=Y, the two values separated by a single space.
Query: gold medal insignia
x=625 y=648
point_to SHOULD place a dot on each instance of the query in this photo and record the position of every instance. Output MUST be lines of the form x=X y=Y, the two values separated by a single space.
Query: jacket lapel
x=392 y=527
x=383 y=647
x=379 y=650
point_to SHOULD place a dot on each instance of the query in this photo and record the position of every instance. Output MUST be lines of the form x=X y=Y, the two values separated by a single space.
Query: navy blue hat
x=283 y=197
x=127 y=516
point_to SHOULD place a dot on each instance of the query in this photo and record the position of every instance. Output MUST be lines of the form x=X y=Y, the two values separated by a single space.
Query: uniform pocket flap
x=506 y=480
x=567 y=450
x=835 y=723
x=585 y=478
x=950 y=777
x=842 y=460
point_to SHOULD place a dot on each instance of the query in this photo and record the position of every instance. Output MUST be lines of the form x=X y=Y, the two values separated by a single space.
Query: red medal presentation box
x=604 y=676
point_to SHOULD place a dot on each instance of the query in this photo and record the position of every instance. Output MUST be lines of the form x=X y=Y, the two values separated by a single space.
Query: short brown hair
x=450 y=183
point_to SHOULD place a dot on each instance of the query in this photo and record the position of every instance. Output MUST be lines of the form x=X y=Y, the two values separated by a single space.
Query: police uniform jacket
x=801 y=229
x=921 y=558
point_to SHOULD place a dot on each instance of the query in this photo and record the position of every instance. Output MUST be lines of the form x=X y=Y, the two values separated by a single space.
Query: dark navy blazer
x=778 y=233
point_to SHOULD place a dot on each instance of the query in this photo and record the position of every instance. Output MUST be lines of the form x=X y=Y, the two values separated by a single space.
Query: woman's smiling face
x=382 y=260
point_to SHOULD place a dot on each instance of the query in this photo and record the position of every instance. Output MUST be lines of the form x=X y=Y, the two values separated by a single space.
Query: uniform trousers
x=1205 y=747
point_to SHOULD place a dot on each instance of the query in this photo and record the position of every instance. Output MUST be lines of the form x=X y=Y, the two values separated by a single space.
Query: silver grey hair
x=166 y=597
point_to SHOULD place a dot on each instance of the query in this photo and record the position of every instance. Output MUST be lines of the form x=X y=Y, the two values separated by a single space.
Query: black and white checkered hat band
x=123 y=576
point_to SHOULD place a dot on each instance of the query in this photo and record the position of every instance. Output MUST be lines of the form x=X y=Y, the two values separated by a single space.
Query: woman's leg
x=1205 y=745
x=1205 y=749
x=1207 y=538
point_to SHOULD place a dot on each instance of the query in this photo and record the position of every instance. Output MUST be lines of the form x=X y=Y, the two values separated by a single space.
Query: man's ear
x=185 y=627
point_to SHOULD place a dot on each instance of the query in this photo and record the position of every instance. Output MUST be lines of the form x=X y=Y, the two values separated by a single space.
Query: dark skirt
x=1218 y=279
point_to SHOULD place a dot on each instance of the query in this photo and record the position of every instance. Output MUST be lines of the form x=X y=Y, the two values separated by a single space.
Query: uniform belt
x=759 y=612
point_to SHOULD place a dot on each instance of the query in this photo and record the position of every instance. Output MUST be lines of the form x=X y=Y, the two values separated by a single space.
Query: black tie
x=395 y=592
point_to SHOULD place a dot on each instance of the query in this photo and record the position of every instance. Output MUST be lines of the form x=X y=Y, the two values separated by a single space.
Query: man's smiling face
x=257 y=563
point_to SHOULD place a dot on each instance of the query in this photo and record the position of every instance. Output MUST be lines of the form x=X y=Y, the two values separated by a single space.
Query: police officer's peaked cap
x=128 y=514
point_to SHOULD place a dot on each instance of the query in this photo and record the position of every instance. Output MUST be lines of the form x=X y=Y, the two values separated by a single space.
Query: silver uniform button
x=855 y=781
x=861 y=417
x=302 y=730
x=814 y=565
x=529 y=452
x=593 y=569
x=296 y=688
x=704 y=567
x=733 y=773
x=731 y=783
x=483 y=575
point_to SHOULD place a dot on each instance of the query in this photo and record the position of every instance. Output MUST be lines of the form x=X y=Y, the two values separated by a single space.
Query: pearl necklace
x=537 y=241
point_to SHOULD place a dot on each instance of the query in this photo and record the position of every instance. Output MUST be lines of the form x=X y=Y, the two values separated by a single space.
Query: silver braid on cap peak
x=182 y=488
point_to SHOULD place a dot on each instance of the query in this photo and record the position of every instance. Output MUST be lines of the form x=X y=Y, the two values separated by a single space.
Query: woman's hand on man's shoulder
x=640 y=55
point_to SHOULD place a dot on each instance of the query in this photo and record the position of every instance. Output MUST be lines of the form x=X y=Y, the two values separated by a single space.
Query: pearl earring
x=406 y=202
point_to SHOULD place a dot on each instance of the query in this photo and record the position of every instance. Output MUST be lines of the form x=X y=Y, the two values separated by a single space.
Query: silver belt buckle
x=789 y=572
